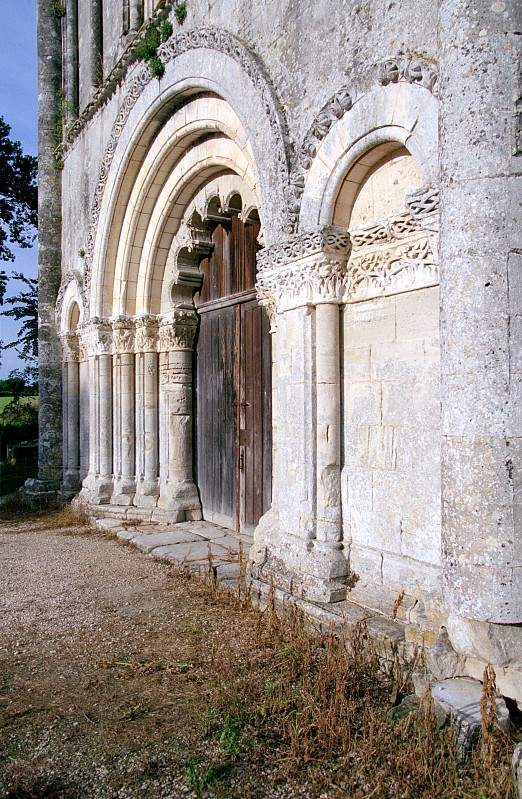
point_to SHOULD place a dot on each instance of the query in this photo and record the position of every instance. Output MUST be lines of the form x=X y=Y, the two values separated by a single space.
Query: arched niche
x=385 y=119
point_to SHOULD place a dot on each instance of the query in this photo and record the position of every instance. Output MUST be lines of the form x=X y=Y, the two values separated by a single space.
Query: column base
x=97 y=489
x=307 y=569
x=40 y=493
x=147 y=493
x=182 y=499
x=70 y=486
x=123 y=491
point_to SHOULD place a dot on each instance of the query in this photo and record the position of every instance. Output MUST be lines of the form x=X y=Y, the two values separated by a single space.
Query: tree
x=18 y=223
x=18 y=195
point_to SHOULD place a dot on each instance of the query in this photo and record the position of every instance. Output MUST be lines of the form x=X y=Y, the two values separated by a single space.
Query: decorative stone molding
x=411 y=69
x=70 y=347
x=146 y=335
x=210 y=38
x=397 y=254
x=191 y=244
x=308 y=269
x=98 y=337
x=177 y=330
x=123 y=330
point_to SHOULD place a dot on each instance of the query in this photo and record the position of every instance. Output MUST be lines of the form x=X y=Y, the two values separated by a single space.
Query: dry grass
x=218 y=698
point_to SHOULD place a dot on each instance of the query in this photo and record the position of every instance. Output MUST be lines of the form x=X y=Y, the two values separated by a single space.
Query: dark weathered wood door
x=233 y=384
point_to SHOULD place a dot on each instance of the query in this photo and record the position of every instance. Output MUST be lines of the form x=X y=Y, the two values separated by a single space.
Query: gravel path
x=106 y=671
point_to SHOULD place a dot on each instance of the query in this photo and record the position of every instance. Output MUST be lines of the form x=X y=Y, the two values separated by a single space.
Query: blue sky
x=18 y=101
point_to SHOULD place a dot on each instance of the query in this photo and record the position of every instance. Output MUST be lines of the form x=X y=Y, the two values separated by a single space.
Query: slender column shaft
x=71 y=415
x=136 y=14
x=96 y=43
x=328 y=429
x=97 y=487
x=123 y=411
x=147 y=434
x=71 y=61
x=103 y=366
x=481 y=308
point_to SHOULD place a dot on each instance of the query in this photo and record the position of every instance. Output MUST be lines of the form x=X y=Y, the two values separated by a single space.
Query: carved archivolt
x=211 y=38
x=407 y=68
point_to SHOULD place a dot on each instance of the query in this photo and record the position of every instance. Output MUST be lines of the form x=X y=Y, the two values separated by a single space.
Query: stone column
x=178 y=493
x=71 y=61
x=328 y=543
x=71 y=416
x=49 y=259
x=96 y=43
x=147 y=434
x=481 y=307
x=299 y=541
x=123 y=412
x=136 y=14
x=97 y=486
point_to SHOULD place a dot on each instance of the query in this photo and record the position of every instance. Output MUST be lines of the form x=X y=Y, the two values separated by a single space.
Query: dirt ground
x=122 y=676
x=106 y=672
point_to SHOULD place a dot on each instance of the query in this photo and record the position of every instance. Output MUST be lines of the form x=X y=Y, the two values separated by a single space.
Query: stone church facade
x=281 y=290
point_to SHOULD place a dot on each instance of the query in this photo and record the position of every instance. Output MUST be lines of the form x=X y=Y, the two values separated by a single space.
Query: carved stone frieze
x=412 y=69
x=177 y=330
x=123 y=334
x=384 y=270
x=146 y=335
x=398 y=253
x=308 y=269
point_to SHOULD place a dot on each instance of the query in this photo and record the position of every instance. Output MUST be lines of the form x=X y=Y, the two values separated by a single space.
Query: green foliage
x=201 y=777
x=147 y=50
x=157 y=67
x=57 y=9
x=18 y=197
x=24 y=308
x=165 y=30
x=180 y=12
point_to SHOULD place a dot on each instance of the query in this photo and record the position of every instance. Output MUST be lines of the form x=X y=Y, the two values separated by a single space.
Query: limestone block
x=363 y=404
x=369 y=322
x=356 y=364
x=460 y=699
x=397 y=360
x=414 y=577
x=499 y=644
x=417 y=313
x=149 y=542
x=190 y=551
x=442 y=661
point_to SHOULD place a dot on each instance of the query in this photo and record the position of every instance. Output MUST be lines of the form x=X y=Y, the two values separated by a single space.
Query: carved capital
x=146 y=334
x=123 y=330
x=308 y=269
x=177 y=330
x=98 y=337
x=70 y=347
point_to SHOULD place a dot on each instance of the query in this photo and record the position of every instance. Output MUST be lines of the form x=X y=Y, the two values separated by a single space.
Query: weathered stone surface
x=152 y=540
x=460 y=698
x=516 y=764
x=441 y=659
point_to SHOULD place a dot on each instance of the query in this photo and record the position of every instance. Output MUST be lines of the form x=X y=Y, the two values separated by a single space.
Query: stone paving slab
x=190 y=551
x=149 y=541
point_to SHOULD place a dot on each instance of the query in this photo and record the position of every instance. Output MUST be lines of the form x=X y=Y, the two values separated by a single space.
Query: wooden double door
x=233 y=384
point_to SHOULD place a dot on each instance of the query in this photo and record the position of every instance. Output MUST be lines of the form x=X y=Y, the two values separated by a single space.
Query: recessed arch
x=398 y=115
x=212 y=62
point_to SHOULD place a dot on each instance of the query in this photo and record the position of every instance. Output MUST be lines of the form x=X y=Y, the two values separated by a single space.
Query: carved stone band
x=308 y=269
x=147 y=333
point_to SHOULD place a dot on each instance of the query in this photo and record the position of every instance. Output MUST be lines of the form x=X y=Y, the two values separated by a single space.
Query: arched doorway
x=233 y=381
